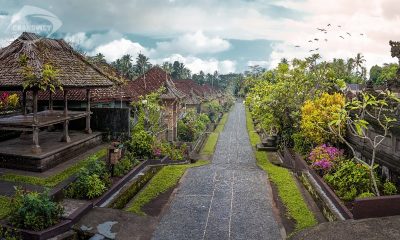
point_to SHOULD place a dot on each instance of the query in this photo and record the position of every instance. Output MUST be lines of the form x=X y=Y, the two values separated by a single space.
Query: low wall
x=376 y=207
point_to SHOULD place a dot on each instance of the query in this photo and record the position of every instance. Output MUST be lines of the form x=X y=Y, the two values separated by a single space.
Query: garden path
x=227 y=199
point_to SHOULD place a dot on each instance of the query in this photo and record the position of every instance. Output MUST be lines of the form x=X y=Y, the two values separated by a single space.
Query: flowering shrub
x=317 y=114
x=325 y=157
x=8 y=101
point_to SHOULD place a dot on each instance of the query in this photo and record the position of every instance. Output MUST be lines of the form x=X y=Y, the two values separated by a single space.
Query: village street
x=228 y=199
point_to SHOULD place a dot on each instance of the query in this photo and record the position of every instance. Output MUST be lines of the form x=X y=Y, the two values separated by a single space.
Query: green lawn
x=57 y=178
x=290 y=195
x=4 y=206
x=165 y=179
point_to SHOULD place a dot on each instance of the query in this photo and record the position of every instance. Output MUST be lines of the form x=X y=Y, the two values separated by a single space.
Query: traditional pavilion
x=74 y=73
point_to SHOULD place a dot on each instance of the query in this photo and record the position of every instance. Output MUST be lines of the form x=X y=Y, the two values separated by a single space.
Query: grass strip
x=52 y=181
x=221 y=124
x=212 y=139
x=4 y=206
x=290 y=195
x=164 y=180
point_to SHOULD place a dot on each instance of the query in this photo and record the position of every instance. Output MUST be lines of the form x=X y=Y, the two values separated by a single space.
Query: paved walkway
x=228 y=199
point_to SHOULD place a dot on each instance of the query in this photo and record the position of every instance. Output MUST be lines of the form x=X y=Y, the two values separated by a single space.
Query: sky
x=212 y=35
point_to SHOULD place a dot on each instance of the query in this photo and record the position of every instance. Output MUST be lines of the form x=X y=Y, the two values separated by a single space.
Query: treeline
x=131 y=68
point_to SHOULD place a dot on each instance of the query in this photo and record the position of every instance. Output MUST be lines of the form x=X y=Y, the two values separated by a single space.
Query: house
x=193 y=93
x=172 y=98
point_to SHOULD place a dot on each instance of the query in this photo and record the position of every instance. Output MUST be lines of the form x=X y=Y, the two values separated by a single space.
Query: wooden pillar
x=88 y=129
x=35 y=132
x=24 y=102
x=65 y=137
x=51 y=101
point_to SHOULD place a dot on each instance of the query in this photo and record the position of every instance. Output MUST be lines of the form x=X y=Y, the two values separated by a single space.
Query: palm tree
x=358 y=62
x=142 y=65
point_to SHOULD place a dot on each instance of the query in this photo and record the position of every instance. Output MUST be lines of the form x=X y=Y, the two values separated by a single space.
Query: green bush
x=91 y=182
x=141 y=144
x=167 y=149
x=34 y=211
x=350 y=180
x=124 y=165
x=192 y=125
x=302 y=144
x=213 y=110
x=389 y=188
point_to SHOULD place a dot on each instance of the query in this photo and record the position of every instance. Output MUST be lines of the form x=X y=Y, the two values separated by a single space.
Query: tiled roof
x=74 y=70
x=152 y=81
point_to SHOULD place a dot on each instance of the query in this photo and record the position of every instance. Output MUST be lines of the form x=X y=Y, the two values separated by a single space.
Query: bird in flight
x=316 y=49
x=348 y=34
x=341 y=37
x=316 y=39
x=297 y=46
x=328 y=25
x=326 y=40
x=362 y=34
x=309 y=40
x=312 y=50
x=321 y=29
x=339 y=26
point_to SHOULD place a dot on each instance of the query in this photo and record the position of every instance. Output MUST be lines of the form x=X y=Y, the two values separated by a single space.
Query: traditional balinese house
x=153 y=80
x=74 y=73
x=193 y=98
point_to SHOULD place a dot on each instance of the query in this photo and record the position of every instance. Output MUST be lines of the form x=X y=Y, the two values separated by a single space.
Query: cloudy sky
x=209 y=35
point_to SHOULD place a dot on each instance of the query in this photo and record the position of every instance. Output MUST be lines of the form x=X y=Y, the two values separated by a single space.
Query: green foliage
x=9 y=101
x=192 y=125
x=350 y=180
x=5 y=205
x=389 y=188
x=276 y=96
x=53 y=180
x=8 y=234
x=168 y=149
x=124 y=165
x=366 y=195
x=302 y=144
x=47 y=79
x=213 y=110
x=34 y=211
x=91 y=182
x=141 y=143
x=380 y=75
x=286 y=185
x=148 y=113
x=164 y=180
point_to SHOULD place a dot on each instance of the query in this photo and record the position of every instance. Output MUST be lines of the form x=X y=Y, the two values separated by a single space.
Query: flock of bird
x=325 y=31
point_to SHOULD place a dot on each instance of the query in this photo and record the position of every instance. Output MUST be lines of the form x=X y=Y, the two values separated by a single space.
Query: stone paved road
x=228 y=199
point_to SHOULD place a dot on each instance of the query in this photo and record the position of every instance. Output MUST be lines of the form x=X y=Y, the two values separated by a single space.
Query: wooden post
x=51 y=101
x=24 y=102
x=88 y=129
x=35 y=133
x=66 y=137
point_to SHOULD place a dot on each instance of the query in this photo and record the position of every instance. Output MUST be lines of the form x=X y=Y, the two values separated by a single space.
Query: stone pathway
x=228 y=199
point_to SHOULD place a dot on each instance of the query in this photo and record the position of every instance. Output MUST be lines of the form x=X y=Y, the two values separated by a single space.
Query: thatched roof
x=74 y=69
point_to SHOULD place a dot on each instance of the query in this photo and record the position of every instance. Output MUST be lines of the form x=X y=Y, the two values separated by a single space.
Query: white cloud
x=196 y=64
x=194 y=43
x=117 y=48
x=91 y=41
x=375 y=19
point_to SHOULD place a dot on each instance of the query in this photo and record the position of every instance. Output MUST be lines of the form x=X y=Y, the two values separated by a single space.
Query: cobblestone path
x=228 y=199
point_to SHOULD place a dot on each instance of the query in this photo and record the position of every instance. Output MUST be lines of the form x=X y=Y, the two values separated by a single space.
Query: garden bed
x=332 y=207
